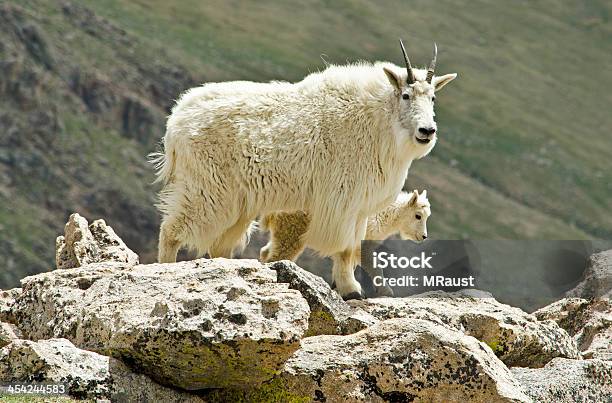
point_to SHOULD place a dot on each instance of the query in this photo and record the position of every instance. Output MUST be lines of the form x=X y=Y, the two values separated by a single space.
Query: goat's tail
x=164 y=162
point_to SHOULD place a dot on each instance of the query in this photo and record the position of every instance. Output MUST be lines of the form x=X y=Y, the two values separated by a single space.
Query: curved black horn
x=410 y=79
x=432 y=65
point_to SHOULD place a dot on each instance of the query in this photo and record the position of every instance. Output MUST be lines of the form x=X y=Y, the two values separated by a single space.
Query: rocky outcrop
x=82 y=244
x=516 y=337
x=238 y=330
x=399 y=360
x=597 y=278
x=80 y=374
x=329 y=313
x=588 y=321
x=200 y=324
x=568 y=381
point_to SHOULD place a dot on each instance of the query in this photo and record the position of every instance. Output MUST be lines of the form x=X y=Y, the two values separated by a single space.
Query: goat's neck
x=386 y=222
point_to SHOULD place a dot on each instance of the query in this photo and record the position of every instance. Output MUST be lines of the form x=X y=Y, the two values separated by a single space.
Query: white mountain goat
x=407 y=215
x=337 y=144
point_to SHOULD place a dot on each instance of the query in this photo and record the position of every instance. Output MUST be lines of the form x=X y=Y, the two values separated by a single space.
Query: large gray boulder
x=597 y=278
x=588 y=321
x=200 y=324
x=568 y=381
x=399 y=360
x=82 y=374
x=329 y=313
x=516 y=337
x=83 y=244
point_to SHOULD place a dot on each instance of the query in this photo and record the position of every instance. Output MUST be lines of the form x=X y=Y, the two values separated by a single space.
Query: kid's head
x=413 y=221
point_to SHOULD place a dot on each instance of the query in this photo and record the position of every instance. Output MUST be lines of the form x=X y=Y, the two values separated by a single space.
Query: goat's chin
x=423 y=149
x=407 y=237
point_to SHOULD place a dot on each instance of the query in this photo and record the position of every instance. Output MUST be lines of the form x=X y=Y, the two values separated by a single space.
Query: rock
x=589 y=322
x=329 y=313
x=83 y=374
x=111 y=247
x=7 y=299
x=515 y=336
x=597 y=279
x=77 y=247
x=200 y=324
x=83 y=244
x=399 y=360
x=563 y=380
x=8 y=333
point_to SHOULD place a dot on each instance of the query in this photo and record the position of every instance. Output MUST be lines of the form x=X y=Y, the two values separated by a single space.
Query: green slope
x=524 y=151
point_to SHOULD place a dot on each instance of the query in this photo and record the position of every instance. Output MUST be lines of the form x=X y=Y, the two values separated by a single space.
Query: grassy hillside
x=524 y=151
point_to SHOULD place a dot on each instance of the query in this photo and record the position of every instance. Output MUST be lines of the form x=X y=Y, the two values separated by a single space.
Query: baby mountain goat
x=337 y=144
x=407 y=215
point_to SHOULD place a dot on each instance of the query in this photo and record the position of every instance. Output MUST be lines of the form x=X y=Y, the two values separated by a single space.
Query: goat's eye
x=405 y=96
x=418 y=216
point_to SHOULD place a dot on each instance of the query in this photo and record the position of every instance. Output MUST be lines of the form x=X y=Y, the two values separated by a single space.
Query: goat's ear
x=394 y=78
x=441 y=81
x=424 y=194
x=413 y=198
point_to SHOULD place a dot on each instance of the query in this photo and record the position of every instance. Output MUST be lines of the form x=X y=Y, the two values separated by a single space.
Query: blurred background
x=525 y=144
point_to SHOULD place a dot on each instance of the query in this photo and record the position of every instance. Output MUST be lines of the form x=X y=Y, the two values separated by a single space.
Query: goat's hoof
x=352 y=295
x=384 y=292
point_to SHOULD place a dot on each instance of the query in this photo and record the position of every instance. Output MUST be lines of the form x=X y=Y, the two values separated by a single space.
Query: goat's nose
x=428 y=131
x=424 y=237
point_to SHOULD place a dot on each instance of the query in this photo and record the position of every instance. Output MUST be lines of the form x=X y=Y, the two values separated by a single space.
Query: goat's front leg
x=343 y=274
x=381 y=290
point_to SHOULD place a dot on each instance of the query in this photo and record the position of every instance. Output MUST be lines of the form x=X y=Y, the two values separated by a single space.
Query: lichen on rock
x=8 y=333
x=516 y=337
x=568 y=381
x=399 y=360
x=589 y=322
x=81 y=374
x=199 y=324
x=7 y=299
x=329 y=313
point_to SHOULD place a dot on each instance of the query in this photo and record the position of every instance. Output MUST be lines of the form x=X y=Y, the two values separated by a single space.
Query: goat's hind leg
x=233 y=238
x=287 y=232
x=287 y=249
x=169 y=243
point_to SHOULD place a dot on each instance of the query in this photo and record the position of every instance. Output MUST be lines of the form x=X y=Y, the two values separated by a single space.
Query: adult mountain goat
x=337 y=144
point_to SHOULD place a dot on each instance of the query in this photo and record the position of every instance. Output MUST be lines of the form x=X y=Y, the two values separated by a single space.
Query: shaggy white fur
x=337 y=144
x=407 y=215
